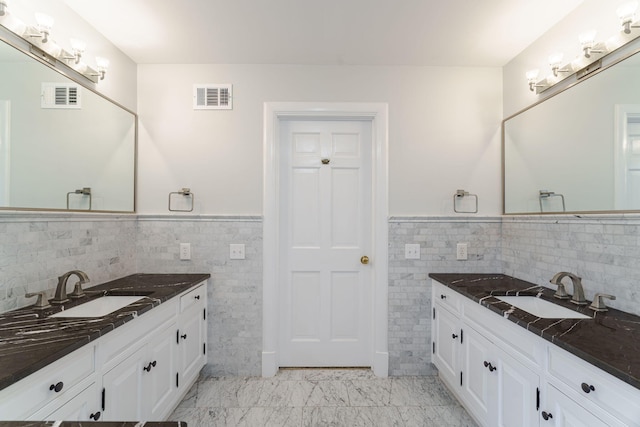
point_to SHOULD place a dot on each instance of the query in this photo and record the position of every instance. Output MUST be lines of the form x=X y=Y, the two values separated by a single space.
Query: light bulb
x=45 y=24
x=627 y=13
x=78 y=46
x=4 y=7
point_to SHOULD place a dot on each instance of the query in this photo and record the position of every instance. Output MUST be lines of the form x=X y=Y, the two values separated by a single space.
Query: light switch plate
x=462 y=251
x=236 y=251
x=185 y=251
x=412 y=251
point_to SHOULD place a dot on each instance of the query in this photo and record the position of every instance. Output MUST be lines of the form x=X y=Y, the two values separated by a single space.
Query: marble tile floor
x=321 y=397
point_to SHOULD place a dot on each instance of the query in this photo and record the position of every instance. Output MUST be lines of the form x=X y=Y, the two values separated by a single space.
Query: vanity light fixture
x=587 y=42
x=532 y=76
x=78 y=47
x=45 y=24
x=555 y=62
x=4 y=7
x=103 y=64
x=627 y=14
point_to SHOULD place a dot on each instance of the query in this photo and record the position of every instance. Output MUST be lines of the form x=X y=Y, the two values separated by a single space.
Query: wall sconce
x=532 y=76
x=78 y=47
x=555 y=61
x=45 y=24
x=627 y=14
x=103 y=64
x=4 y=6
x=587 y=41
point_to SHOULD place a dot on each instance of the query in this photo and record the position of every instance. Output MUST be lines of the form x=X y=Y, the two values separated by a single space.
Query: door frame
x=274 y=113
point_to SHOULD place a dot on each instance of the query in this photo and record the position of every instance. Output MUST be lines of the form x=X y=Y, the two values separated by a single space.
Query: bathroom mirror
x=579 y=150
x=63 y=146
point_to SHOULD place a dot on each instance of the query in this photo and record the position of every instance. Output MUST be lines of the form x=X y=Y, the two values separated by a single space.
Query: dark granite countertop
x=29 y=340
x=92 y=423
x=609 y=340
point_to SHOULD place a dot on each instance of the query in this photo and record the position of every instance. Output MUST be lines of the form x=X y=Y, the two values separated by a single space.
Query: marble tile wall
x=37 y=248
x=235 y=292
x=410 y=287
x=603 y=250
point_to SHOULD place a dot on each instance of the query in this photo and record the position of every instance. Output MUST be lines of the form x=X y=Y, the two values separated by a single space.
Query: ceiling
x=327 y=32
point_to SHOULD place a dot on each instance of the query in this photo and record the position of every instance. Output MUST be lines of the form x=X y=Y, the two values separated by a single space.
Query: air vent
x=60 y=95
x=212 y=97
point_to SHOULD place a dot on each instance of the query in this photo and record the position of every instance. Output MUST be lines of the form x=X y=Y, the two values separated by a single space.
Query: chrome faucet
x=61 y=290
x=578 y=291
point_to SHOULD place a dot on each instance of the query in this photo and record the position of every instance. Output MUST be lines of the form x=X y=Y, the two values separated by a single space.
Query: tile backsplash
x=36 y=248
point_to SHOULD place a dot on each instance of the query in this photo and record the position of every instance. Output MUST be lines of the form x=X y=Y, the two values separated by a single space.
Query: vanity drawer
x=39 y=388
x=614 y=396
x=193 y=297
x=446 y=297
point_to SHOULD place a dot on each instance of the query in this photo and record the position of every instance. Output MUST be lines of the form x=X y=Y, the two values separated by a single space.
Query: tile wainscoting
x=36 y=248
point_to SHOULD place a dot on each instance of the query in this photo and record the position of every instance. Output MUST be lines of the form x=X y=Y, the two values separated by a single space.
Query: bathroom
x=219 y=155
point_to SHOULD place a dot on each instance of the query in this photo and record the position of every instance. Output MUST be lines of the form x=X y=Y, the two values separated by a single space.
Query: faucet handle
x=41 y=302
x=598 y=303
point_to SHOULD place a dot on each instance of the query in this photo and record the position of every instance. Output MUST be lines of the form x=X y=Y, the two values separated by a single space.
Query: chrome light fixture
x=45 y=24
x=555 y=62
x=78 y=47
x=532 y=75
x=4 y=7
x=587 y=41
x=103 y=64
x=627 y=14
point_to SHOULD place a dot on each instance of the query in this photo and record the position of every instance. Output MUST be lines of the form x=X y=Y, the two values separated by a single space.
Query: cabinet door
x=479 y=366
x=123 y=388
x=446 y=337
x=562 y=411
x=517 y=393
x=191 y=347
x=159 y=374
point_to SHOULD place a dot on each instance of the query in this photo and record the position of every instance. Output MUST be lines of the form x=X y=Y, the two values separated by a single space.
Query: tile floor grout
x=321 y=397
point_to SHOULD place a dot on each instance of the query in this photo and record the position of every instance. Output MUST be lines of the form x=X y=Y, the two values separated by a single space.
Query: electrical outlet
x=185 y=251
x=236 y=251
x=412 y=251
x=461 y=251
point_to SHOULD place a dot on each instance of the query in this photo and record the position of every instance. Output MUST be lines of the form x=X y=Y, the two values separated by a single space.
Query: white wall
x=120 y=83
x=444 y=132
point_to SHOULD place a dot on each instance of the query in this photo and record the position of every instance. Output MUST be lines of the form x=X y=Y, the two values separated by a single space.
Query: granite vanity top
x=609 y=340
x=29 y=340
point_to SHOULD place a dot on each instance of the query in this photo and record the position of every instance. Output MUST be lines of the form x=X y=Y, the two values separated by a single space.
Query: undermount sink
x=98 y=307
x=542 y=308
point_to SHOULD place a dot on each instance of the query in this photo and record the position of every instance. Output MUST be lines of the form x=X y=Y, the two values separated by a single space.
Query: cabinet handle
x=95 y=417
x=56 y=387
x=490 y=366
x=197 y=297
x=149 y=366
x=587 y=388
x=454 y=336
x=546 y=415
x=184 y=337
x=443 y=296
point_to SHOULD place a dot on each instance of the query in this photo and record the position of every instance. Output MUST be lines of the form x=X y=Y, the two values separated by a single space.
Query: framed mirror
x=579 y=150
x=63 y=146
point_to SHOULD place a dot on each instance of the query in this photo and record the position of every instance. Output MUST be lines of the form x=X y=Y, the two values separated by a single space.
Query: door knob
x=364 y=259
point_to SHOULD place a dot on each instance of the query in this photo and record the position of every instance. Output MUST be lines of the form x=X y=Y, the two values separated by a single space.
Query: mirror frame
x=614 y=57
x=25 y=48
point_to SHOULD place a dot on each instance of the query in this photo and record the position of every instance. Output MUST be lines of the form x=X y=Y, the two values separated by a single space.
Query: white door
x=325 y=229
x=627 y=162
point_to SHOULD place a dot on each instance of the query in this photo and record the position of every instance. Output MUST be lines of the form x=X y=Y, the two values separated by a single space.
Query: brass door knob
x=364 y=259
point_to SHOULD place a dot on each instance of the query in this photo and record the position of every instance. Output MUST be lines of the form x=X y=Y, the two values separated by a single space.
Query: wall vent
x=60 y=95
x=212 y=97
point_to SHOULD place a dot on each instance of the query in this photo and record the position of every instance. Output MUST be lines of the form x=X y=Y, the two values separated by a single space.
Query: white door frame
x=274 y=112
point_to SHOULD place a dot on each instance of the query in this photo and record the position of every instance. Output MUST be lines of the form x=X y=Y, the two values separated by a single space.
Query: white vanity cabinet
x=495 y=387
x=506 y=376
x=192 y=333
x=139 y=371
